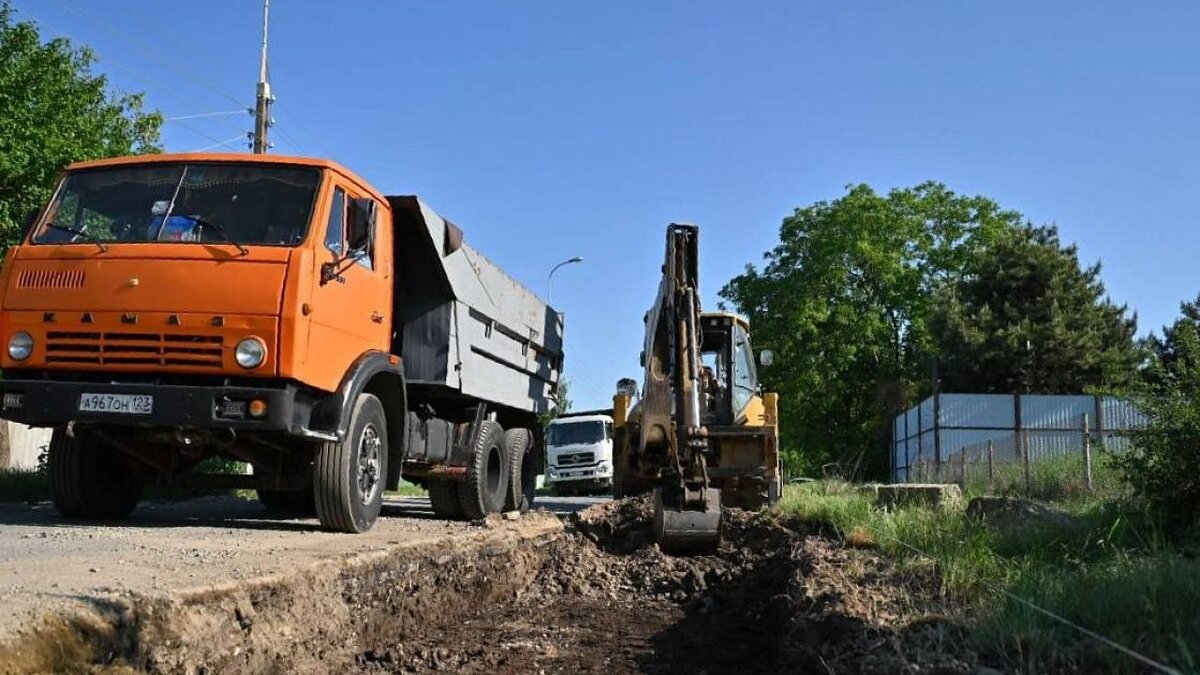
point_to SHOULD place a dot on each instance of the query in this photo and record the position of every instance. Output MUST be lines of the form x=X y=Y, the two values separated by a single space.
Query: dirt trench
x=534 y=597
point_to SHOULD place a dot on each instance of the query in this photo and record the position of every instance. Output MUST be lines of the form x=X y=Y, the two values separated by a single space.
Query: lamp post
x=550 y=277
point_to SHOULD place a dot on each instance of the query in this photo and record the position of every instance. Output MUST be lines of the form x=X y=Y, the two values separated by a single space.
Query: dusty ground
x=526 y=596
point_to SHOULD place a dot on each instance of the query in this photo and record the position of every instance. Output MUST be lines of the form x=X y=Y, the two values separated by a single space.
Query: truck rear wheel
x=443 y=497
x=487 y=475
x=348 y=476
x=89 y=478
x=522 y=470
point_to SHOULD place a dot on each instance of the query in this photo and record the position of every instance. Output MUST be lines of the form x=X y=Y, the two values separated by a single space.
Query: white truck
x=579 y=453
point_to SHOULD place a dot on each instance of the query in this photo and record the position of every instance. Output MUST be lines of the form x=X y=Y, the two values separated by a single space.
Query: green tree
x=845 y=299
x=1027 y=317
x=53 y=111
x=1164 y=352
x=1164 y=468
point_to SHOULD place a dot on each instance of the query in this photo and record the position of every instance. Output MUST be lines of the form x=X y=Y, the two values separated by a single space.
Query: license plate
x=129 y=404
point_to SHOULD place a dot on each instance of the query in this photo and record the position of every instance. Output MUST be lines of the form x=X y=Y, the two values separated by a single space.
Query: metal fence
x=1009 y=439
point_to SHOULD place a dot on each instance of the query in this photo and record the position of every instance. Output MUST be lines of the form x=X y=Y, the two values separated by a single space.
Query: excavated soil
x=772 y=600
x=534 y=597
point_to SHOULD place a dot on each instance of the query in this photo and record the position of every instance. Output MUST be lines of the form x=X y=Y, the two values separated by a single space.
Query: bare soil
x=533 y=596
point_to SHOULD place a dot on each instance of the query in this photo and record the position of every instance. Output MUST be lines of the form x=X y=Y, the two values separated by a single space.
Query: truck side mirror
x=766 y=357
x=361 y=230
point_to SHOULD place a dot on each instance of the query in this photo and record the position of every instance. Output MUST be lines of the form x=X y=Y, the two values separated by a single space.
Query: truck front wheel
x=89 y=478
x=348 y=476
x=487 y=475
x=522 y=470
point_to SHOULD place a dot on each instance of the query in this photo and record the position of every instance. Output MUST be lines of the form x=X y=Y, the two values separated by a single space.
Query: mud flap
x=678 y=529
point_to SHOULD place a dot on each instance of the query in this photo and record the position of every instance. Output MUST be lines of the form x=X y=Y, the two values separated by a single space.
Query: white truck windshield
x=572 y=433
x=194 y=202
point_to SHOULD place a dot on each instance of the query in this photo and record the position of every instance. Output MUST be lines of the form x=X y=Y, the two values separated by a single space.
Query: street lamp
x=550 y=278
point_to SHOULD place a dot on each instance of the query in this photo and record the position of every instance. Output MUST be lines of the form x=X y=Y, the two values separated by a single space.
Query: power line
x=148 y=82
x=214 y=146
x=197 y=116
x=141 y=48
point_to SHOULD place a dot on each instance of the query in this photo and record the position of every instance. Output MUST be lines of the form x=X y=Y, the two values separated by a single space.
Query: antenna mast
x=262 y=104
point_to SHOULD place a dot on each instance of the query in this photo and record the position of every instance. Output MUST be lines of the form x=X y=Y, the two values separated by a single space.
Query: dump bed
x=463 y=326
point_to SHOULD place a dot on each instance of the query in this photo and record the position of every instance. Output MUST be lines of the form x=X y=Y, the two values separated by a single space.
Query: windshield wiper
x=79 y=233
x=223 y=232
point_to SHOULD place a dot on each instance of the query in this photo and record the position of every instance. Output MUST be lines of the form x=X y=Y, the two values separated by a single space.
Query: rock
x=512 y=515
x=1009 y=513
x=940 y=495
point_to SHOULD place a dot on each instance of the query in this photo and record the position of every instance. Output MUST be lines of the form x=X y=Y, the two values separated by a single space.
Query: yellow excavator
x=702 y=435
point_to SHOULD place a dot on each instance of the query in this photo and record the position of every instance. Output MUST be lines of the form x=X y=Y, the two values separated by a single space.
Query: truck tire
x=443 y=497
x=89 y=478
x=292 y=502
x=522 y=470
x=348 y=477
x=487 y=475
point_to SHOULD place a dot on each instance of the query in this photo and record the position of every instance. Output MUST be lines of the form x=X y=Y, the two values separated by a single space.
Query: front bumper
x=55 y=403
x=578 y=473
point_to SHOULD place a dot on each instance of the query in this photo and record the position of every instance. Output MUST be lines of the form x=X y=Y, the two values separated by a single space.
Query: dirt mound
x=772 y=599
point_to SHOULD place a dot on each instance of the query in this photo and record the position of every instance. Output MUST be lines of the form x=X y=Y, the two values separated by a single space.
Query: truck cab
x=579 y=454
x=277 y=311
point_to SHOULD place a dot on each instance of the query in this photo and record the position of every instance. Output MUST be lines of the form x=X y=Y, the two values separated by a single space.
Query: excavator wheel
x=680 y=530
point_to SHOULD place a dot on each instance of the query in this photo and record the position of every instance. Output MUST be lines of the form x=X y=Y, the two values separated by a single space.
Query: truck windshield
x=573 y=433
x=198 y=203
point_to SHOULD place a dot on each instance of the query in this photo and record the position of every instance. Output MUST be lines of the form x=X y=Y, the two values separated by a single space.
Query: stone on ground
x=939 y=495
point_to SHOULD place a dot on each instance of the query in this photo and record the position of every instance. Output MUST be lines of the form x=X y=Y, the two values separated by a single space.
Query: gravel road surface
x=47 y=563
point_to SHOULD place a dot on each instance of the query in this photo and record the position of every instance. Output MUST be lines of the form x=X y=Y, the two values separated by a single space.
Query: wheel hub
x=370 y=455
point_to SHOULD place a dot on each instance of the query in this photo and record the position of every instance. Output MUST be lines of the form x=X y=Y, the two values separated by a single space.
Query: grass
x=1114 y=571
x=23 y=485
x=407 y=490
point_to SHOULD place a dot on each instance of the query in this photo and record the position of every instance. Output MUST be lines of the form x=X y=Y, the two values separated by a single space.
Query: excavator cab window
x=745 y=384
x=715 y=380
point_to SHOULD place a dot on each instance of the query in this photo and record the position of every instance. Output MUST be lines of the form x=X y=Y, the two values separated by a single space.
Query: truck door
x=351 y=311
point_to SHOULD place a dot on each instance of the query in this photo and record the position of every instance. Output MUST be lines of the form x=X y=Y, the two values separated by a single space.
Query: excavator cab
x=728 y=382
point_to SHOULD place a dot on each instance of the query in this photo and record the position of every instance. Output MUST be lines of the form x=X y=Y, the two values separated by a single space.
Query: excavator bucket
x=679 y=529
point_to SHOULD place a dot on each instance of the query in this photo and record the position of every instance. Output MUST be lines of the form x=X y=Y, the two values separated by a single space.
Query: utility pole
x=262 y=104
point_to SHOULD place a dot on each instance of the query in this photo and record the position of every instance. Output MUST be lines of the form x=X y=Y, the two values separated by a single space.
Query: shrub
x=1164 y=468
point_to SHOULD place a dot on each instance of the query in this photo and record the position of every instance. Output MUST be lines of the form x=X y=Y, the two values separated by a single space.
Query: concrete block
x=939 y=495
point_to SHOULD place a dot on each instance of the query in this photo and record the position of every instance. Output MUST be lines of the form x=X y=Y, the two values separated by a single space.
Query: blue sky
x=554 y=129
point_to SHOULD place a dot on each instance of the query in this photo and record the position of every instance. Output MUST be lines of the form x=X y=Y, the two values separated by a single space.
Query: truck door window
x=367 y=258
x=335 y=234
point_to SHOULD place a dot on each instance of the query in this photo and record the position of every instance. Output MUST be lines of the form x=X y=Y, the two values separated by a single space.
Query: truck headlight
x=20 y=346
x=552 y=472
x=250 y=352
x=602 y=468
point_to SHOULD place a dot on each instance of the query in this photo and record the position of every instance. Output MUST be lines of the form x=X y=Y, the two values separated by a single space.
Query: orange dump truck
x=277 y=311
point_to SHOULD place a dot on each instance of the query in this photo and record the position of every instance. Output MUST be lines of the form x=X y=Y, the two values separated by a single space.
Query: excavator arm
x=687 y=508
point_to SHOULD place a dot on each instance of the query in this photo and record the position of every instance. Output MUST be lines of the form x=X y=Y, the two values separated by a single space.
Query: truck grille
x=133 y=349
x=576 y=458
x=50 y=279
